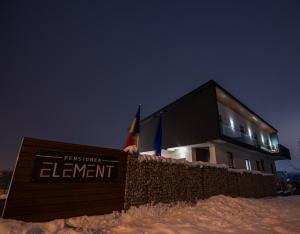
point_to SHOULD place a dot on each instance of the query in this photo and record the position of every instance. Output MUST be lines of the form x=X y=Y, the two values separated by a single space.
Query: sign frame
x=36 y=200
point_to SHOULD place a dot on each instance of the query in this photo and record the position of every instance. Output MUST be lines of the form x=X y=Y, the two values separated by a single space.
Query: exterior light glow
x=262 y=139
x=171 y=149
x=249 y=132
x=182 y=152
x=231 y=123
x=248 y=164
x=270 y=143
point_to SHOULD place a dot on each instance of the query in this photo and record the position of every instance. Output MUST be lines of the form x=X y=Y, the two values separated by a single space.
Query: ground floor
x=222 y=152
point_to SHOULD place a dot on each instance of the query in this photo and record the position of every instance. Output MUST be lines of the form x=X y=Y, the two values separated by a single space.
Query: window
x=262 y=165
x=230 y=159
x=255 y=139
x=202 y=154
x=220 y=118
x=242 y=129
x=248 y=164
x=272 y=168
x=257 y=165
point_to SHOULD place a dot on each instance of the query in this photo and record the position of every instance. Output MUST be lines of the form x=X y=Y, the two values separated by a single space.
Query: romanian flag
x=132 y=141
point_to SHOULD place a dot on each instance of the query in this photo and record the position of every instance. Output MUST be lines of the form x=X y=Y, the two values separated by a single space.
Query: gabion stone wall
x=154 y=180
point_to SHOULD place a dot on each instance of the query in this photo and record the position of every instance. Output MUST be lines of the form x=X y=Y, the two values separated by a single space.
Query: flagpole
x=138 y=135
x=137 y=144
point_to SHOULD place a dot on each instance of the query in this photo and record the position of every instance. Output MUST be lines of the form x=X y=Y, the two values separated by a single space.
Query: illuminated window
x=248 y=164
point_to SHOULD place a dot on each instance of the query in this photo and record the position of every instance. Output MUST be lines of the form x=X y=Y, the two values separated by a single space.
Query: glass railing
x=242 y=137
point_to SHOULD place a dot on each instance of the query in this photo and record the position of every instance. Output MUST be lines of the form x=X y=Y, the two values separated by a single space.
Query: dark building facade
x=209 y=124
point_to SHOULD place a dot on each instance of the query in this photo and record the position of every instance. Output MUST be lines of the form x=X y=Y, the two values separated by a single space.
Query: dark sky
x=75 y=71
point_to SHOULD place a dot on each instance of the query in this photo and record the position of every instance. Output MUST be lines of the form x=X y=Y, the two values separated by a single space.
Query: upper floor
x=211 y=113
x=241 y=124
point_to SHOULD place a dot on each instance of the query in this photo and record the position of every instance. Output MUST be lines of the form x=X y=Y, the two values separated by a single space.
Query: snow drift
x=217 y=214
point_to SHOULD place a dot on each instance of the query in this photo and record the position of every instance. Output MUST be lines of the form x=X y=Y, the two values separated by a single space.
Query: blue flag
x=158 y=138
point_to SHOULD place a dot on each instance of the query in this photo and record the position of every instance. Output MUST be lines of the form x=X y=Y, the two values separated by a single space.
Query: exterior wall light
x=262 y=139
x=249 y=132
x=270 y=143
x=231 y=123
x=248 y=165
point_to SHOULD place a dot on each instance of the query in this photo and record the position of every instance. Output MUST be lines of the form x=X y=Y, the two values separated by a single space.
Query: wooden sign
x=55 y=180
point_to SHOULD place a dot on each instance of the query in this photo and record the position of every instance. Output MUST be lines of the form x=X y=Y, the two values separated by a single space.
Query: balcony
x=283 y=153
x=228 y=131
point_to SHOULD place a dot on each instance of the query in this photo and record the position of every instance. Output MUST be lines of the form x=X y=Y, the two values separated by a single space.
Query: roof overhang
x=230 y=101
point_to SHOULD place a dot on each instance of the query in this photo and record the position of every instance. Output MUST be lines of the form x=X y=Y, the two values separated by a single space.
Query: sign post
x=55 y=180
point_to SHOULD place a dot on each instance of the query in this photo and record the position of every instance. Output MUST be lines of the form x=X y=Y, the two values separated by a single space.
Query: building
x=211 y=125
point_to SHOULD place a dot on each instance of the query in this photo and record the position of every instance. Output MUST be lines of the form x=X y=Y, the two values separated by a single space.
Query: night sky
x=75 y=71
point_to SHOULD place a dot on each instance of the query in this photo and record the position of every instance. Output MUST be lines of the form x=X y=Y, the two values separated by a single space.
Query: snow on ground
x=215 y=215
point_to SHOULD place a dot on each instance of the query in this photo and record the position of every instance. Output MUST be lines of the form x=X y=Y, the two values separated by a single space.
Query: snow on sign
x=55 y=180
x=59 y=166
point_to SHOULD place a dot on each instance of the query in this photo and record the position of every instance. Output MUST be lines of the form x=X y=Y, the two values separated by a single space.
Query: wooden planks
x=42 y=191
